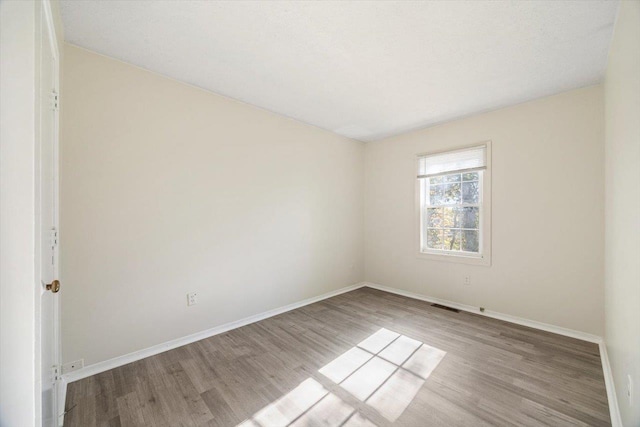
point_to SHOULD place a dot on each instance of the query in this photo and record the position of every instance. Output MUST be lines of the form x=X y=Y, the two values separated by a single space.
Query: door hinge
x=54 y=99
x=55 y=373
x=53 y=238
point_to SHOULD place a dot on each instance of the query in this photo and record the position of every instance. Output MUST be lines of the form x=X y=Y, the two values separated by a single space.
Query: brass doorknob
x=54 y=286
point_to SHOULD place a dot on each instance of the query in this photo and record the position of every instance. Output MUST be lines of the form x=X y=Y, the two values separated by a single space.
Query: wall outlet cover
x=192 y=298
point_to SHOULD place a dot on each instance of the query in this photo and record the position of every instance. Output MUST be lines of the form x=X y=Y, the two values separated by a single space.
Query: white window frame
x=484 y=257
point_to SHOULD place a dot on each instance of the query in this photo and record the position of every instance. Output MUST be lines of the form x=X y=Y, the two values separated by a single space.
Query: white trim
x=462 y=171
x=96 y=368
x=51 y=27
x=62 y=399
x=493 y=314
x=453 y=150
x=484 y=258
x=616 y=420
x=46 y=26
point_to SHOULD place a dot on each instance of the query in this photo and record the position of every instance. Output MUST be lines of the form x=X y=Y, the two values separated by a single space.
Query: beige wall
x=547 y=212
x=168 y=189
x=622 y=267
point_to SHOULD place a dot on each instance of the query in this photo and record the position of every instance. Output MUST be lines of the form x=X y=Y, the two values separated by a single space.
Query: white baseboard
x=96 y=368
x=493 y=314
x=616 y=420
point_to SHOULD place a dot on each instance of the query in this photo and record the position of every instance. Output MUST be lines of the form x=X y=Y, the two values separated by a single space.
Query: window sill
x=483 y=260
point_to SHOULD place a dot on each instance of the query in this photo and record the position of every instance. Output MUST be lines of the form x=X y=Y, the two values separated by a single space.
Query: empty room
x=319 y=213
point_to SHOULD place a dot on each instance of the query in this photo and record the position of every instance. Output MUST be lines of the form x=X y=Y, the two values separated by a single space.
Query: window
x=454 y=201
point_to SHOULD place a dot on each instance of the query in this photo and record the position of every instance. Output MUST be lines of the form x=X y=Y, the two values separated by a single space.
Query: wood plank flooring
x=385 y=360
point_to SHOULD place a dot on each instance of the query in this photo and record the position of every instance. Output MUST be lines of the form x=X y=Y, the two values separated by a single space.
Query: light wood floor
x=364 y=358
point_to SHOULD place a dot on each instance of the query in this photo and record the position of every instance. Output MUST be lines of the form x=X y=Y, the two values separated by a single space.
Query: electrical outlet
x=192 y=298
x=72 y=366
x=630 y=389
x=467 y=280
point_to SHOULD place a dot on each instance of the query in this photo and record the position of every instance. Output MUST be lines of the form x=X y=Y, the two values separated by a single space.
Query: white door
x=48 y=219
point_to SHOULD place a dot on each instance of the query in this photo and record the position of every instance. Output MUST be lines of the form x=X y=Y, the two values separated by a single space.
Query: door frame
x=45 y=22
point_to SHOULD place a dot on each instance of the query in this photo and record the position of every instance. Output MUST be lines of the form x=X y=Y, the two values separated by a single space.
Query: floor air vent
x=444 y=307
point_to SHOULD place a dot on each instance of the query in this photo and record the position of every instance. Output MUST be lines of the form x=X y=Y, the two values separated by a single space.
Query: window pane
x=470 y=176
x=434 y=217
x=434 y=239
x=470 y=192
x=451 y=193
x=470 y=241
x=469 y=217
x=448 y=193
x=450 y=218
x=452 y=240
x=436 y=195
x=451 y=206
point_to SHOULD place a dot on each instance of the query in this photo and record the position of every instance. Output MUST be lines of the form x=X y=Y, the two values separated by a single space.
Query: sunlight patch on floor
x=386 y=371
x=358 y=421
x=308 y=404
x=343 y=366
x=330 y=411
x=365 y=380
x=289 y=407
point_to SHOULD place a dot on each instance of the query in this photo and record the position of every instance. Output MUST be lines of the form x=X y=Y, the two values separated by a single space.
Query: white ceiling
x=366 y=70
